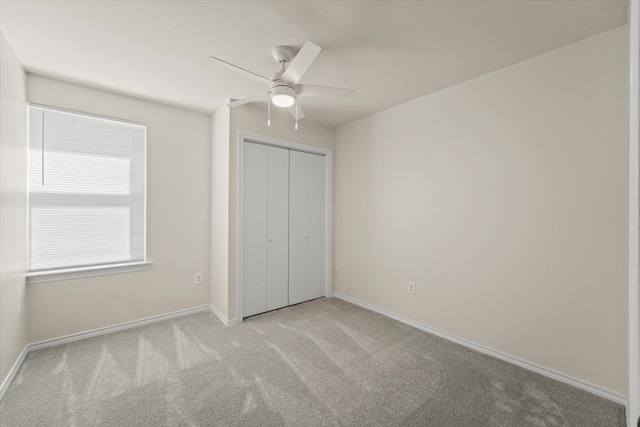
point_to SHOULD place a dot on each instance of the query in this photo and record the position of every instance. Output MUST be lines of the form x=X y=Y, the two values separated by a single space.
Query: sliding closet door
x=277 y=228
x=298 y=183
x=254 y=229
x=316 y=227
x=265 y=236
x=306 y=226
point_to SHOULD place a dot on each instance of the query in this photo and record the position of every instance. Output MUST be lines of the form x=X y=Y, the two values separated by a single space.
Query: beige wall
x=504 y=199
x=253 y=119
x=178 y=220
x=13 y=208
x=220 y=211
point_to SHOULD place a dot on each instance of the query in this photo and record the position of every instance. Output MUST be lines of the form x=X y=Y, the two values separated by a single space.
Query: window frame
x=59 y=274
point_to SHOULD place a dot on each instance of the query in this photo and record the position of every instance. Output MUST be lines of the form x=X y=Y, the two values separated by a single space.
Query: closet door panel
x=277 y=228
x=298 y=181
x=254 y=229
x=316 y=227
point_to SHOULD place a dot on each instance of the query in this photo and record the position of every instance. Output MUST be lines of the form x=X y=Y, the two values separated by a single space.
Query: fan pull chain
x=296 y=127
x=269 y=111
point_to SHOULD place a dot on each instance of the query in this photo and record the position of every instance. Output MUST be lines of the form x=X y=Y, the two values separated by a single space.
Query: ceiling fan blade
x=292 y=110
x=301 y=63
x=247 y=100
x=242 y=71
x=332 y=92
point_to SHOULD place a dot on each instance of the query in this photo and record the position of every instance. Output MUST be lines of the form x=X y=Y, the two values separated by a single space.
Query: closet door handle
x=270 y=239
x=305 y=236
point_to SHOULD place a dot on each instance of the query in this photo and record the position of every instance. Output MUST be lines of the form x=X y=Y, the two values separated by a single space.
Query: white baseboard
x=575 y=382
x=13 y=371
x=222 y=318
x=92 y=333
x=114 y=328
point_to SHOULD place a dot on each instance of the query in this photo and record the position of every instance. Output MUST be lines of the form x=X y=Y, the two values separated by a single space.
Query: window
x=87 y=185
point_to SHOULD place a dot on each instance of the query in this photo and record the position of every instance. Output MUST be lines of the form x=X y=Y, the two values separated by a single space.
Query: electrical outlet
x=197 y=278
x=411 y=288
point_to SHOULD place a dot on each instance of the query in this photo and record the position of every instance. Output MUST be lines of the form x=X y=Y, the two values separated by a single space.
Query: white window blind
x=86 y=190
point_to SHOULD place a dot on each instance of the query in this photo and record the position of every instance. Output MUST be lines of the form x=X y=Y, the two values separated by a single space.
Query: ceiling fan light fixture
x=283 y=96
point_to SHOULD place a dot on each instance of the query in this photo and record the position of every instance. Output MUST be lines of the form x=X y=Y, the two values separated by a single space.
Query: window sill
x=77 y=273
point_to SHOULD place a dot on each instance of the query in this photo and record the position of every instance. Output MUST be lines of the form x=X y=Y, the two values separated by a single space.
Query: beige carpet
x=322 y=363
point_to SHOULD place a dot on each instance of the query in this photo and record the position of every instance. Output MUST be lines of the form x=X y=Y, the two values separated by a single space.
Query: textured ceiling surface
x=389 y=51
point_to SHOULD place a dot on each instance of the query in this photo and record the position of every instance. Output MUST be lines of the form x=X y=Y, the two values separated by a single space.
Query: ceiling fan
x=284 y=89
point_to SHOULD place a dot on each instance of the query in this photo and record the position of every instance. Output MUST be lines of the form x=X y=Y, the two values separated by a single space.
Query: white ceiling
x=389 y=51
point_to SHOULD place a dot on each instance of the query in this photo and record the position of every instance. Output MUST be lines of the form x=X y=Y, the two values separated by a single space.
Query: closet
x=283 y=227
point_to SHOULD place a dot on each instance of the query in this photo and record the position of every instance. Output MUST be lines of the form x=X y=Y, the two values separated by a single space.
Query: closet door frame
x=244 y=137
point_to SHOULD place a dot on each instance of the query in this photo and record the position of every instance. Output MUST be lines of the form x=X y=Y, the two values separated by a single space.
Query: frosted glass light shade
x=283 y=96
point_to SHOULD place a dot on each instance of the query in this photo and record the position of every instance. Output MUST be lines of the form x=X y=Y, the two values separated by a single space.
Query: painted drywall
x=13 y=208
x=253 y=119
x=504 y=200
x=178 y=220
x=220 y=211
x=633 y=408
